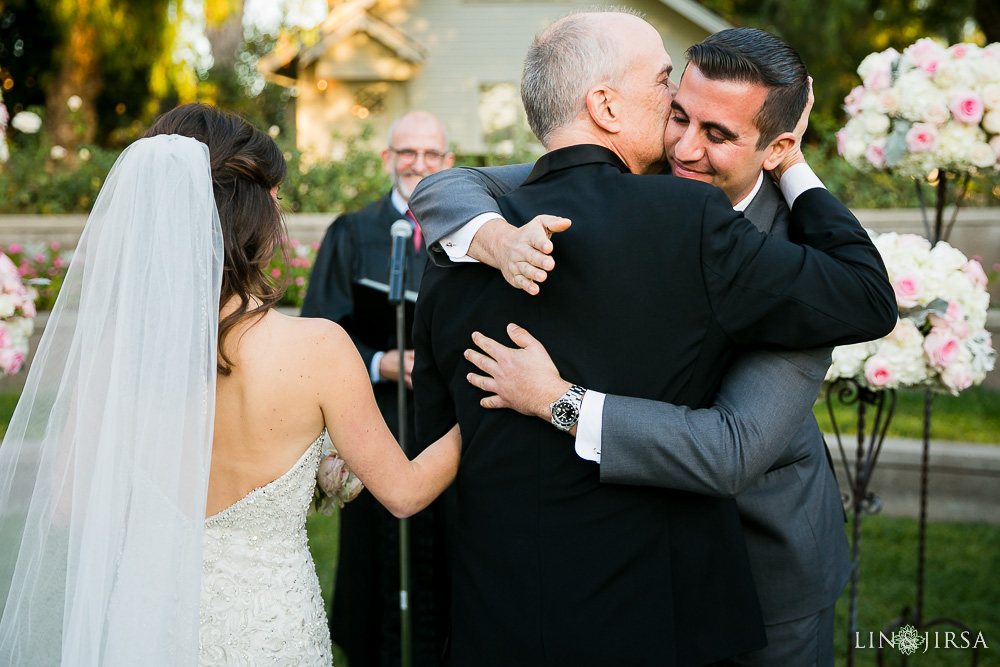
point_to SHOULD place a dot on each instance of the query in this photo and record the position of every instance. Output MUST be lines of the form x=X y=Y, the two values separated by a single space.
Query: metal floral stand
x=859 y=498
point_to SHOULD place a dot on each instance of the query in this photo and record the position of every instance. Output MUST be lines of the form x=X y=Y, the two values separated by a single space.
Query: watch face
x=565 y=413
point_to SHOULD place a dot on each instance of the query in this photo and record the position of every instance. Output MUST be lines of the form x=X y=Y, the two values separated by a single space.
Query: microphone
x=401 y=231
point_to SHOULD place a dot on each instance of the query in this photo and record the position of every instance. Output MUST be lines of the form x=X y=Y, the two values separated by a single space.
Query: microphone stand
x=397 y=298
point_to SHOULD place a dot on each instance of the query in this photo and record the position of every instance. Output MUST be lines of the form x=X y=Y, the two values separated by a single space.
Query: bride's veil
x=104 y=467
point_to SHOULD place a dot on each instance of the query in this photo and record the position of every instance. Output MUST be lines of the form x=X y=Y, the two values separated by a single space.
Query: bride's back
x=267 y=409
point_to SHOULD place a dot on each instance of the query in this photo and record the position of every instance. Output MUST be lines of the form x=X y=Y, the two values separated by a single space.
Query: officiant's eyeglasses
x=409 y=156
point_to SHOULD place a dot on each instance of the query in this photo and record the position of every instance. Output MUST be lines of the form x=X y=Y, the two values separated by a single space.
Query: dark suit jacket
x=554 y=568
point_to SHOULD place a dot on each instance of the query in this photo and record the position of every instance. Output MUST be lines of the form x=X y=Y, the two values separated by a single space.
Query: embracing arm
x=448 y=200
x=720 y=451
x=359 y=432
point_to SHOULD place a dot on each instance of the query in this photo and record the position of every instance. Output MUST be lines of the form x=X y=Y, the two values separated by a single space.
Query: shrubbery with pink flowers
x=17 y=314
x=941 y=339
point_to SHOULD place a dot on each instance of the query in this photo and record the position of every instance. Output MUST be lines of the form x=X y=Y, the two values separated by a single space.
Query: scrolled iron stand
x=914 y=615
x=859 y=498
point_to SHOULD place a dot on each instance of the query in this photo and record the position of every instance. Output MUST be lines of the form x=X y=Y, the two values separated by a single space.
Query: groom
x=760 y=441
x=552 y=567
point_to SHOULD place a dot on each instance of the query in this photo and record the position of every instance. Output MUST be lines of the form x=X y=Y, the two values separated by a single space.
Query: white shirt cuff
x=456 y=245
x=797 y=179
x=373 y=370
x=589 y=426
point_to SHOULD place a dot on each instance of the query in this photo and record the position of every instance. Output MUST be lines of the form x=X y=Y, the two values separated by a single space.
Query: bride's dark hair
x=246 y=166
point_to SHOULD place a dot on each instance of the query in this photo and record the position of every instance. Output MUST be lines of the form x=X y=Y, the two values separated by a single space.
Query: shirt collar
x=574 y=156
x=742 y=206
x=399 y=202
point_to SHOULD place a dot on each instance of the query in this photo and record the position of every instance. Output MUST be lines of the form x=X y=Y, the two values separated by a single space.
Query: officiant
x=353 y=258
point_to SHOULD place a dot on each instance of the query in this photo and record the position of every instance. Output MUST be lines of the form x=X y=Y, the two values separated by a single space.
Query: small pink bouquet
x=940 y=340
x=17 y=315
x=335 y=483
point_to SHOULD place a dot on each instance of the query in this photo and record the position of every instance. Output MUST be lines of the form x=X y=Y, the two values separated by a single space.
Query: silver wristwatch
x=566 y=410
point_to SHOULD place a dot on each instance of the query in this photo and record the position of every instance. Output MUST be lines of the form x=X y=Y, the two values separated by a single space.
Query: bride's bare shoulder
x=316 y=336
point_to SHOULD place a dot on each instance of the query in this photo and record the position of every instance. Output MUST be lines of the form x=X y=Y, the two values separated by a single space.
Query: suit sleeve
x=444 y=202
x=719 y=451
x=831 y=290
x=329 y=292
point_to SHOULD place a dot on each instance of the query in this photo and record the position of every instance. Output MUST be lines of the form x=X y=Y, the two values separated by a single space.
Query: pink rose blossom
x=300 y=281
x=930 y=66
x=958 y=51
x=842 y=140
x=941 y=347
x=879 y=372
x=908 y=288
x=922 y=137
x=876 y=153
x=315 y=245
x=331 y=474
x=29 y=308
x=852 y=103
x=276 y=273
x=14 y=248
x=5 y=338
x=54 y=245
x=293 y=243
x=957 y=377
x=974 y=270
x=878 y=80
x=967 y=107
x=11 y=360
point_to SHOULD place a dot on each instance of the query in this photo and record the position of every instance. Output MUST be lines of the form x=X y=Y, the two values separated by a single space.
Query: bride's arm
x=359 y=432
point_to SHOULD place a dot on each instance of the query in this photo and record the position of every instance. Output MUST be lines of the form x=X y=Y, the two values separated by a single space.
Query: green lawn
x=974 y=416
x=963 y=560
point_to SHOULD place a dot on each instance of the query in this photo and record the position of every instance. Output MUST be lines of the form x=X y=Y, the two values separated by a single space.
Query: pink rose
x=967 y=107
x=922 y=137
x=930 y=66
x=11 y=360
x=941 y=347
x=879 y=372
x=958 y=51
x=876 y=153
x=878 y=80
x=852 y=103
x=276 y=273
x=14 y=248
x=908 y=288
x=842 y=140
x=957 y=377
x=5 y=337
x=331 y=474
x=974 y=270
x=29 y=308
x=300 y=281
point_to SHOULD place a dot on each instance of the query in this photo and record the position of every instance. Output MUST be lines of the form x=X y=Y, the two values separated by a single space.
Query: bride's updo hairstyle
x=246 y=166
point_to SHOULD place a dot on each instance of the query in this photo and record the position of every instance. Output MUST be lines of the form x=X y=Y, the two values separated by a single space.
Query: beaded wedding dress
x=260 y=597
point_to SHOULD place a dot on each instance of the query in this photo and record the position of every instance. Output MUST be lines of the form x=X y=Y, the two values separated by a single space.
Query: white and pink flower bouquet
x=17 y=317
x=336 y=484
x=929 y=107
x=940 y=340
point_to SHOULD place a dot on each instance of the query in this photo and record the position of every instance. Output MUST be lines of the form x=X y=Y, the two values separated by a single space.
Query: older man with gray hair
x=553 y=567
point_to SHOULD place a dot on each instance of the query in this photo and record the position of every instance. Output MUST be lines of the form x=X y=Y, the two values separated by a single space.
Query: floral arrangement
x=43 y=266
x=929 y=107
x=335 y=483
x=295 y=274
x=17 y=313
x=941 y=339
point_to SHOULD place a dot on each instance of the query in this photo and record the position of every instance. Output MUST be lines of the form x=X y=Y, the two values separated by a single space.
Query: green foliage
x=973 y=416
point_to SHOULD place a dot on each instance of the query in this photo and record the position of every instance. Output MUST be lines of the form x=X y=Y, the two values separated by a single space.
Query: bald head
x=418 y=147
x=568 y=59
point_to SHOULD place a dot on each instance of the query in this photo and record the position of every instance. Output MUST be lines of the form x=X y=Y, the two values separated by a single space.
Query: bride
x=166 y=390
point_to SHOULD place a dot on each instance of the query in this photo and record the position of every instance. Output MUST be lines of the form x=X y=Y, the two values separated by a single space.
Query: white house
x=371 y=60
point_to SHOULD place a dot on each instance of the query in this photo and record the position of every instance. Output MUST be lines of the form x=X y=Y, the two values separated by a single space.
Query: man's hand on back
x=521 y=253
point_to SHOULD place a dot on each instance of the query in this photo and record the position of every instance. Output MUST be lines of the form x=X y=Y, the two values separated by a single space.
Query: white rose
x=982 y=155
x=990 y=94
x=848 y=360
x=936 y=113
x=946 y=258
x=27 y=122
x=888 y=101
x=876 y=123
x=6 y=305
x=988 y=69
x=74 y=103
x=906 y=358
x=991 y=121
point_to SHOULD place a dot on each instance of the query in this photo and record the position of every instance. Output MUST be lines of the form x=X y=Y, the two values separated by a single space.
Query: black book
x=374 y=316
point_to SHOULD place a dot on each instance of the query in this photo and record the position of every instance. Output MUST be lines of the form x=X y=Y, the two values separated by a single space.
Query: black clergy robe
x=365 y=619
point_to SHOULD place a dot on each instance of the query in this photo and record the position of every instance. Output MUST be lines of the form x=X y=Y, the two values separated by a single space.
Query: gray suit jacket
x=759 y=442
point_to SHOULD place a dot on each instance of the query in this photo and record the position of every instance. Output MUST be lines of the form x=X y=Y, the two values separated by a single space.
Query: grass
x=974 y=416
